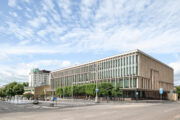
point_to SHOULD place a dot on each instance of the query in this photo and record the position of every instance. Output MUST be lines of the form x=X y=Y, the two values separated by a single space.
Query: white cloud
x=19 y=8
x=2 y=28
x=86 y=8
x=13 y=73
x=42 y=33
x=44 y=63
x=65 y=7
x=19 y=32
x=12 y=3
x=114 y=25
x=36 y=22
x=88 y=26
x=27 y=15
x=27 y=1
x=176 y=67
x=48 y=5
x=23 y=49
x=21 y=71
x=24 y=42
x=13 y=14
x=28 y=9
x=66 y=63
x=52 y=30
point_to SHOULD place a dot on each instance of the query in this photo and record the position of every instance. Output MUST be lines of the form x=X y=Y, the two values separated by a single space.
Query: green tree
x=67 y=91
x=13 y=89
x=117 y=92
x=18 y=89
x=105 y=89
x=82 y=90
x=59 y=91
x=178 y=91
x=2 y=92
x=25 y=84
x=9 y=89
x=28 y=95
x=42 y=94
x=90 y=89
x=120 y=93
x=75 y=90
x=114 y=92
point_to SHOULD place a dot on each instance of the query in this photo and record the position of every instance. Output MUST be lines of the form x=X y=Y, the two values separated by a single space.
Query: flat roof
x=154 y=58
x=124 y=53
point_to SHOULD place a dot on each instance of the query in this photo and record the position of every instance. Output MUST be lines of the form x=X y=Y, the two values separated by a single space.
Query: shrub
x=28 y=95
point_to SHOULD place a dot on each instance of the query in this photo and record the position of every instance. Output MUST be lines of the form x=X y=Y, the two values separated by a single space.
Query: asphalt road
x=42 y=106
x=110 y=111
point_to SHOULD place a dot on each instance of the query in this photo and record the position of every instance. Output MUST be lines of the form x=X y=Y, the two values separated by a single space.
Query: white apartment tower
x=39 y=77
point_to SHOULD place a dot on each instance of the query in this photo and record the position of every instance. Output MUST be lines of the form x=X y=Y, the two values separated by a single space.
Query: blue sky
x=53 y=34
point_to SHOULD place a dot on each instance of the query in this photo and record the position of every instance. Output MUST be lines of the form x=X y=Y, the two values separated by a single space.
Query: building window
x=110 y=73
x=113 y=83
x=134 y=82
x=121 y=83
x=130 y=82
x=125 y=65
x=122 y=67
x=131 y=65
x=136 y=64
x=87 y=77
x=126 y=83
x=111 y=63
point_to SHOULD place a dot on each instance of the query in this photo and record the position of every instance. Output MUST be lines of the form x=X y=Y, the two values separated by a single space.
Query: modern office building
x=39 y=77
x=135 y=72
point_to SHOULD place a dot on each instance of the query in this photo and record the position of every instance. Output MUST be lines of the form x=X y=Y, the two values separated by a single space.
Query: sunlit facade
x=131 y=71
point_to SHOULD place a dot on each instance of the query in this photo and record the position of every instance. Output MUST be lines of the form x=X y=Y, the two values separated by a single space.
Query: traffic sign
x=97 y=90
x=137 y=93
x=161 y=91
x=54 y=98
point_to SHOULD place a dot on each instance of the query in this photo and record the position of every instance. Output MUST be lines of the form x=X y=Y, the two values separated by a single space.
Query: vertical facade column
x=123 y=82
x=111 y=70
x=128 y=66
x=132 y=81
x=129 y=82
x=123 y=72
x=118 y=68
x=137 y=82
x=116 y=71
x=132 y=71
x=139 y=65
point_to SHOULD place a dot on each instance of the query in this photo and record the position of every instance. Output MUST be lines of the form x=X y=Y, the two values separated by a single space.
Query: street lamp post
x=72 y=91
x=96 y=98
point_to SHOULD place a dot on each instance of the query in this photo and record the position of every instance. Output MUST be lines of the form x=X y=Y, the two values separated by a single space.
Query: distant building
x=3 y=86
x=28 y=90
x=39 y=77
x=45 y=89
x=137 y=73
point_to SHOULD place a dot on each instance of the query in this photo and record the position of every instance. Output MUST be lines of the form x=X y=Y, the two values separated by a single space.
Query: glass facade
x=126 y=83
x=120 y=70
x=121 y=83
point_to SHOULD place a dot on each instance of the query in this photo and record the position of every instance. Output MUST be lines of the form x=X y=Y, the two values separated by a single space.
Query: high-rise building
x=39 y=77
x=133 y=71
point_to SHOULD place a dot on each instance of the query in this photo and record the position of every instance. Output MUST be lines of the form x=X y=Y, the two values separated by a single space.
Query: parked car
x=35 y=102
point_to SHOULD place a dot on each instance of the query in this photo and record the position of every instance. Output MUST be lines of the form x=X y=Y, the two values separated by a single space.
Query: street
x=102 y=111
